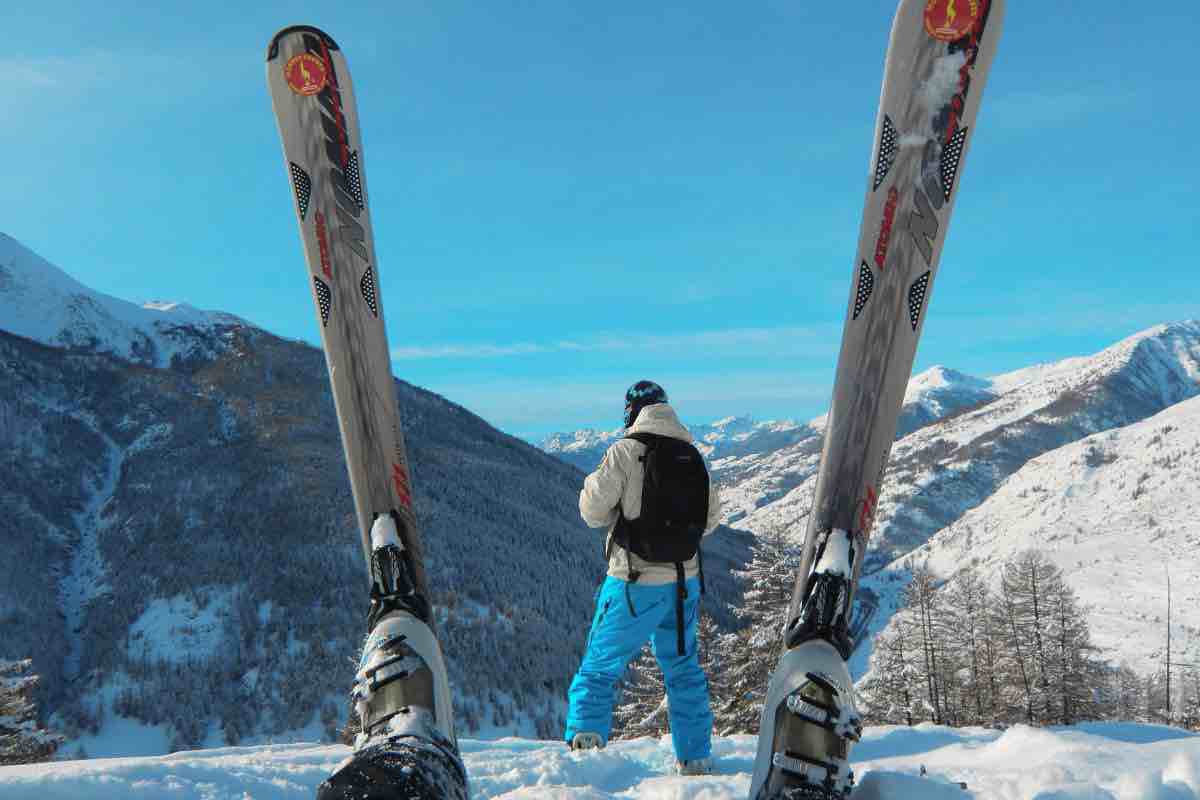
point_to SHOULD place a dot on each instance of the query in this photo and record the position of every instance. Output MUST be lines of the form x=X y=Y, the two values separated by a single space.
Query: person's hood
x=660 y=419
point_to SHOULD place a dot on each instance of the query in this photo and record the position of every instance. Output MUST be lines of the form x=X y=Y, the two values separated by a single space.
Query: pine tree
x=748 y=656
x=641 y=709
x=966 y=612
x=643 y=706
x=1027 y=585
x=22 y=739
x=891 y=693
x=1190 y=711
x=1073 y=672
x=712 y=658
x=994 y=661
x=1155 y=698
x=921 y=599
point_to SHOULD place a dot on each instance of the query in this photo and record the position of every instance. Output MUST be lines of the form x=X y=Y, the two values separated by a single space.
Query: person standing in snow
x=653 y=493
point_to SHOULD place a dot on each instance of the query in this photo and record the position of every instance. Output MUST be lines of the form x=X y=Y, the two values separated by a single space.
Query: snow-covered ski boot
x=407 y=747
x=695 y=767
x=587 y=741
x=809 y=720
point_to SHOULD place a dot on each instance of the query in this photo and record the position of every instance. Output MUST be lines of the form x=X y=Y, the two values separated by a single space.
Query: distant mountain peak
x=40 y=301
x=941 y=377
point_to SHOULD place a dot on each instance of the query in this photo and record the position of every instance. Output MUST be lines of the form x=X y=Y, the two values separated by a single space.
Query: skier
x=653 y=493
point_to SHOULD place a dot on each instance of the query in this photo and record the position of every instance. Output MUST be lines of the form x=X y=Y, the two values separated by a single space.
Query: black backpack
x=674 y=502
x=674 y=511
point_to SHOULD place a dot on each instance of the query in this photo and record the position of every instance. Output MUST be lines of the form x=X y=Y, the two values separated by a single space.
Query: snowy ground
x=1110 y=761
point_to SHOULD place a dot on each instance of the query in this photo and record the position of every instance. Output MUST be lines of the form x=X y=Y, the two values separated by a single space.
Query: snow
x=943 y=82
x=121 y=736
x=85 y=581
x=1099 y=761
x=176 y=629
x=41 y=302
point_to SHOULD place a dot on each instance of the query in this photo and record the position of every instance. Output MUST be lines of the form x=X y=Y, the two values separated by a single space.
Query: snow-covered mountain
x=939 y=392
x=41 y=302
x=180 y=556
x=1115 y=511
x=939 y=471
x=956 y=463
x=757 y=462
x=964 y=441
x=725 y=437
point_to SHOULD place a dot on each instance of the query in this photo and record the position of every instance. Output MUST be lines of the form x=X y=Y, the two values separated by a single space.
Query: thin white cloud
x=66 y=73
x=470 y=351
x=1038 y=108
x=534 y=407
x=788 y=338
x=28 y=74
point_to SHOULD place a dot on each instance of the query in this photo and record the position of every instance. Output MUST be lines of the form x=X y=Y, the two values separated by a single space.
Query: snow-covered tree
x=922 y=601
x=891 y=695
x=641 y=708
x=967 y=604
x=1026 y=584
x=1074 y=673
x=1127 y=695
x=23 y=740
x=1189 y=715
x=748 y=656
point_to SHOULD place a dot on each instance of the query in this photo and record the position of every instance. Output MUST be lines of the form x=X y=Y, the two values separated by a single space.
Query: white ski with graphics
x=402 y=695
x=936 y=66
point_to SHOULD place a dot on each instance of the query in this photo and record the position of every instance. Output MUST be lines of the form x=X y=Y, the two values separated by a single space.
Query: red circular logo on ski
x=306 y=74
x=951 y=20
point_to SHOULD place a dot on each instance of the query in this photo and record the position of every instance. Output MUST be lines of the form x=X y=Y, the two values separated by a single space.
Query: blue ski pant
x=627 y=614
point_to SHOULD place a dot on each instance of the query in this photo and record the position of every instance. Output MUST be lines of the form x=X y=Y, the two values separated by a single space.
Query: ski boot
x=809 y=719
x=587 y=741
x=695 y=767
x=407 y=747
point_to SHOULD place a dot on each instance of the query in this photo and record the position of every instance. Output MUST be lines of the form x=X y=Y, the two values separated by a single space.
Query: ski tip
x=273 y=47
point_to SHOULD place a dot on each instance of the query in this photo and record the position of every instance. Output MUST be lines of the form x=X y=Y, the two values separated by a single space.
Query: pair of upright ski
x=936 y=66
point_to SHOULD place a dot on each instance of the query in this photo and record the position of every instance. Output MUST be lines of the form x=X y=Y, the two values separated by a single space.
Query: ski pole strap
x=680 y=594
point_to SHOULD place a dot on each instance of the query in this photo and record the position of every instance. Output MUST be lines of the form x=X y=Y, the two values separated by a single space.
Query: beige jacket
x=617 y=482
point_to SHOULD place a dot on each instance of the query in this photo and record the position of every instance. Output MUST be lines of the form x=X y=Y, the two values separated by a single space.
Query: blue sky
x=571 y=196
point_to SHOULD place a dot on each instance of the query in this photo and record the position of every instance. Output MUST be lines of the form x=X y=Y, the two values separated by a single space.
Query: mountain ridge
x=40 y=301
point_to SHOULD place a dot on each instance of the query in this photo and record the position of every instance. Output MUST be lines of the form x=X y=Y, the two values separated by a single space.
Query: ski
x=401 y=693
x=937 y=63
